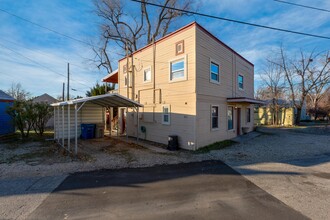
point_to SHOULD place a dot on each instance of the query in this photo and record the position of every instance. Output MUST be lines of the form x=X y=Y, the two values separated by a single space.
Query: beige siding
x=209 y=93
x=190 y=100
x=88 y=114
x=180 y=95
x=230 y=66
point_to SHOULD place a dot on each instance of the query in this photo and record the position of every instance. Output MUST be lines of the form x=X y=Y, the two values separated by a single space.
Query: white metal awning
x=107 y=100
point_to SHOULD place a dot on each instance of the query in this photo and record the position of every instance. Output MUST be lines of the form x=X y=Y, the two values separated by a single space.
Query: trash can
x=173 y=143
x=99 y=131
x=87 y=131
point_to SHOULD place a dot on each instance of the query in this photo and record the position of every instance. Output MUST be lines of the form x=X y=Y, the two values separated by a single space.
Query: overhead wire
x=35 y=62
x=44 y=54
x=234 y=20
x=55 y=31
x=303 y=6
x=47 y=55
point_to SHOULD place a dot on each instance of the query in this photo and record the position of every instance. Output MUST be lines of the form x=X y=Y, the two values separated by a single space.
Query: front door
x=123 y=121
x=238 y=122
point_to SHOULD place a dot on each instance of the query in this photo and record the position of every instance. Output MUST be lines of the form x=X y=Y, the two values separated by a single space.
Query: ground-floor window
x=214 y=117
x=248 y=115
x=230 y=118
x=166 y=117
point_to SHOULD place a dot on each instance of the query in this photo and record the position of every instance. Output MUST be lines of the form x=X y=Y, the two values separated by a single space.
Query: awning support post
x=76 y=130
x=69 y=128
x=126 y=122
x=58 y=124
x=138 y=124
x=62 y=126
x=55 y=133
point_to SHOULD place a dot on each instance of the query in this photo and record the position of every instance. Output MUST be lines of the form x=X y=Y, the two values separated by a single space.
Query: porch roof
x=245 y=100
x=111 y=77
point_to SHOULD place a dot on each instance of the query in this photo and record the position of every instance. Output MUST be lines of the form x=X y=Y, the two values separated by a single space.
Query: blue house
x=6 y=122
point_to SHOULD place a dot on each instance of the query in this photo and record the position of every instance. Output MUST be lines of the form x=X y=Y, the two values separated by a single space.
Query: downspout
x=127 y=87
x=232 y=78
x=154 y=76
x=133 y=79
x=127 y=72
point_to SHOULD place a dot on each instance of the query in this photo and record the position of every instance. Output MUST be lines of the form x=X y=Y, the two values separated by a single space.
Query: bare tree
x=127 y=26
x=273 y=79
x=303 y=74
x=17 y=92
x=315 y=96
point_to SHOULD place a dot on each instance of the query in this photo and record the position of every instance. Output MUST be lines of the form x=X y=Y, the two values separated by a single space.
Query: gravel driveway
x=293 y=167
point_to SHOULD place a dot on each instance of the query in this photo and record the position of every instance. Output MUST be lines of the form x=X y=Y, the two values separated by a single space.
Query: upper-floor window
x=240 y=82
x=214 y=72
x=177 y=71
x=128 y=80
x=147 y=74
x=125 y=80
x=214 y=117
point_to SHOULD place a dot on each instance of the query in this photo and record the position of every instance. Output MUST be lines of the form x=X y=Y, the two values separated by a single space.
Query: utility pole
x=68 y=89
x=63 y=92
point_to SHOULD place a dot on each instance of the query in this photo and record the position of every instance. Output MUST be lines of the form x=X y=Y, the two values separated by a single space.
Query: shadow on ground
x=200 y=190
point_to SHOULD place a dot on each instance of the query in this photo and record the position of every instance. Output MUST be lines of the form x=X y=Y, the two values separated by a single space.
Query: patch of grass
x=33 y=137
x=215 y=146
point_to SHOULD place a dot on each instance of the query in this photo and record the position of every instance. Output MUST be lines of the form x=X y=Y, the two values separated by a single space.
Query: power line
x=44 y=54
x=45 y=67
x=52 y=30
x=41 y=26
x=234 y=21
x=304 y=6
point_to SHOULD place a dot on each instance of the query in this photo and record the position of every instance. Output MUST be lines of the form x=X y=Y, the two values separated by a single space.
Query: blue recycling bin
x=88 y=131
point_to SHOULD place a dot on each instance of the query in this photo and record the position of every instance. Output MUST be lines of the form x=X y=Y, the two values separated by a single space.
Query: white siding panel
x=88 y=114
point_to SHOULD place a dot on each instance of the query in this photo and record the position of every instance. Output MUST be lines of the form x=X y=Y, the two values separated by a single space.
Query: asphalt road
x=202 y=190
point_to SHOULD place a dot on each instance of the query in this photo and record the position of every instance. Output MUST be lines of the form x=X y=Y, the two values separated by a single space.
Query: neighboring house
x=265 y=115
x=45 y=98
x=6 y=122
x=191 y=85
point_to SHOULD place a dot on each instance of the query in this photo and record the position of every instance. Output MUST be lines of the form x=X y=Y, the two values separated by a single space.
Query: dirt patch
x=128 y=151
x=33 y=153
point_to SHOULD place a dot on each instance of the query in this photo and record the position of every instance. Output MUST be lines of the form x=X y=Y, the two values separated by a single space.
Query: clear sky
x=37 y=58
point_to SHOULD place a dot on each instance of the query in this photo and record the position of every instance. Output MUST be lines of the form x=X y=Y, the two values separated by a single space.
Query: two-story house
x=191 y=85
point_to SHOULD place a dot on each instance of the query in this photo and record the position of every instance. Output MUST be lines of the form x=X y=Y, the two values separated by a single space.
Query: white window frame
x=212 y=80
x=169 y=115
x=238 y=81
x=125 y=80
x=233 y=115
x=184 y=70
x=211 y=117
x=147 y=81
